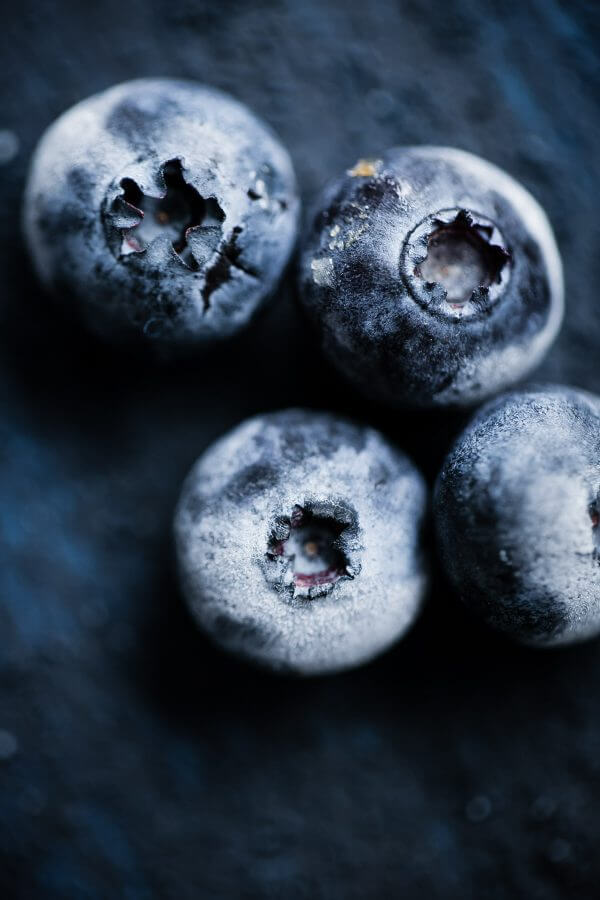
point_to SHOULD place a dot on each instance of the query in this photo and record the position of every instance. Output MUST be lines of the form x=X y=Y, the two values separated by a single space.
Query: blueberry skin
x=236 y=517
x=203 y=258
x=516 y=511
x=391 y=331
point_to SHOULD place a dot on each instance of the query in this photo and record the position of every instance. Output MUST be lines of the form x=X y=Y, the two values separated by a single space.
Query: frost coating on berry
x=516 y=511
x=161 y=207
x=433 y=278
x=297 y=538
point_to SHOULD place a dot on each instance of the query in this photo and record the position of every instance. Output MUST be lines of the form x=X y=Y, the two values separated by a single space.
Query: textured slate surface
x=148 y=765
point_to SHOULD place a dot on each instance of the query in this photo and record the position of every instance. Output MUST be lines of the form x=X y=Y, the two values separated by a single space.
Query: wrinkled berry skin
x=516 y=512
x=218 y=197
x=297 y=538
x=387 y=323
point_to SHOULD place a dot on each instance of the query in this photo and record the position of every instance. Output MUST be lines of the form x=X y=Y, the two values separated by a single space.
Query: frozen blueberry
x=517 y=514
x=433 y=277
x=161 y=207
x=297 y=537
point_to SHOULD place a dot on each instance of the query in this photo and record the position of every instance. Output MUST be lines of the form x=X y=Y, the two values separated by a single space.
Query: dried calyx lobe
x=192 y=222
x=308 y=551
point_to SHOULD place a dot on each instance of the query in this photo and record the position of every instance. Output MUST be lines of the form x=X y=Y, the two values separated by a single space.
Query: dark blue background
x=149 y=765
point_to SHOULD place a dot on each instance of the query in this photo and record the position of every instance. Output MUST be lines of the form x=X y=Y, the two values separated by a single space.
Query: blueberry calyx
x=455 y=263
x=192 y=224
x=594 y=511
x=310 y=550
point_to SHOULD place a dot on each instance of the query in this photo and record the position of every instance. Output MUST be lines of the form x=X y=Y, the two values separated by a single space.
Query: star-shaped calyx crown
x=192 y=223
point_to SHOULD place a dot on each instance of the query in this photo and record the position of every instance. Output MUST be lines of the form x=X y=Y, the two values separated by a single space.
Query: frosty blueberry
x=432 y=276
x=517 y=514
x=297 y=537
x=161 y=207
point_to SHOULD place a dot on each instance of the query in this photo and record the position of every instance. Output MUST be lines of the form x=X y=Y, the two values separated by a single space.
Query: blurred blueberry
x=517 y=514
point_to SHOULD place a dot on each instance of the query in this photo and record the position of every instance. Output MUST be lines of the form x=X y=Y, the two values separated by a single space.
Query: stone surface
x=149 y=764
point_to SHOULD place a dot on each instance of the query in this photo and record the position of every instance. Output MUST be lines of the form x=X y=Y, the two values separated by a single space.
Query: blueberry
x=433 y=278
x=297 y=538
x=517 y=514
x=161 y=207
